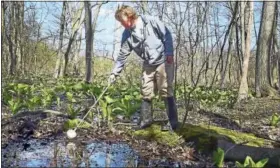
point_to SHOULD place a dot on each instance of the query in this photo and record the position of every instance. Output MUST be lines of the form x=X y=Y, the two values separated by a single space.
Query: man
x=151 y=41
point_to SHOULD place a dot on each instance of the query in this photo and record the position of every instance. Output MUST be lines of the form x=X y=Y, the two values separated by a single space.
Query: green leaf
x=118 y=109
x=15 y=106
x=239 y=165
x=136 y=93
x=69 y=124
x=103 y=105
x=219 y=157
x=128 y=97
x=33 y=102
x=69 y=96
x=262 y=162
x=22 y=86
x=247 y=161
x=251 y=162
x=72 y=112
x=109 y=112
x=109 y=100
x=274 y=119
x=78 y=86
x=120 y=104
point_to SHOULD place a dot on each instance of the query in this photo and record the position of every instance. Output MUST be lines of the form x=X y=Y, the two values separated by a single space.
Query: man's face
x=126 y=22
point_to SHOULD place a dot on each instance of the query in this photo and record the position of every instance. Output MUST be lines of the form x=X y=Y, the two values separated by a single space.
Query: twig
x=121 y=123
x=242 y=143
x=38 y=112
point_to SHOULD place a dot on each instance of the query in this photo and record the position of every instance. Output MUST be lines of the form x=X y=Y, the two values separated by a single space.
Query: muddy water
x=58 y=153
x=55 y=153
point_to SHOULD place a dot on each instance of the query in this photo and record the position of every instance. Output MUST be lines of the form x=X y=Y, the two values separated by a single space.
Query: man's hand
x=169 y=59
x=112 y=78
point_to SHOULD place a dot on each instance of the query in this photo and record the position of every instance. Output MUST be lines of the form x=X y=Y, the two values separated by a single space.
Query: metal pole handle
x=93 y=106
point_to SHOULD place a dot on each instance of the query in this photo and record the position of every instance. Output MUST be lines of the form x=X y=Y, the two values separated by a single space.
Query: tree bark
x=88 y=35
x=4 y=58
x=274 y=50
x=16 y=27
x=239 y=55
x=21 y=39
x=77 y=22
x=207 y=44
x=243 y=89
x=228 y=57
x=94 y=23
x=278 y=53
x=59 y=55
x=76 y=55
x=225 y=38
x=242 y=28
x=262 y=80
x=10 y=38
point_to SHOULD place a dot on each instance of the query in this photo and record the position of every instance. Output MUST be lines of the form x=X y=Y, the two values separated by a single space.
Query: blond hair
x=125 y=10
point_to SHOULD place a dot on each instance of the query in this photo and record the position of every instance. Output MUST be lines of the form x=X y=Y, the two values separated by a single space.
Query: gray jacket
x=157 y=44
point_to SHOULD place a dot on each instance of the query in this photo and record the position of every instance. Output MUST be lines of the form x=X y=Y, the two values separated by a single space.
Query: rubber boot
x=146 y=115
x=171 y=111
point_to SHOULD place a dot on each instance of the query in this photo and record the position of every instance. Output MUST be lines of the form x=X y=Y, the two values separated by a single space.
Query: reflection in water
x=60 y=154
x=39 y=153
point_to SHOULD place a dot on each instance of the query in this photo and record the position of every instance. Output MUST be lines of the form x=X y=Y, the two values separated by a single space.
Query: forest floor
x=252 y=116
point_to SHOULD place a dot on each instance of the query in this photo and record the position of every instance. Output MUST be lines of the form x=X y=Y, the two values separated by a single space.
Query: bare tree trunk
x=198 y=35
x=228 y=58
x=4 y=58
x=224 y=72
x=276 y=43
x=232 y=39
x=207 y=44
x=21 y=35
x=217 y=51
x=88 y=35
x=239 y=55
x=179 y=27
x=243 y=89
x=76 y=55
x=36 y=45
x=191 y=48
x=15 y=19
x=77 y=22
x=262 y=58
x=225 y=38
x=59 y=55
x=18 y=34
x=278 y=53
x=10 y=38
x=242 y=28
x=2 y=24
x=273 y=50
x=94 y=22
x=277 y=68
x=216 y=30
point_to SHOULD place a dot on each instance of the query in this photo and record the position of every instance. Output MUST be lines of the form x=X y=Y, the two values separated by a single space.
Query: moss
x=238 y=137
x=205 y=135
x=217 y=132
x=154 y=133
